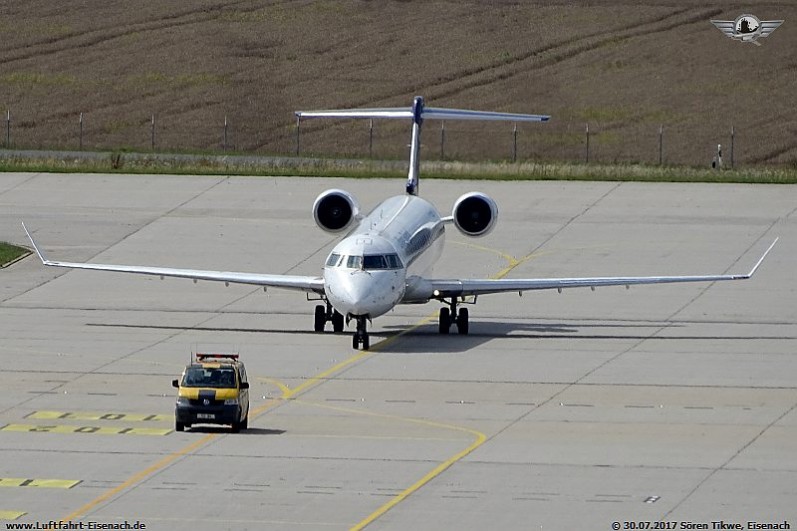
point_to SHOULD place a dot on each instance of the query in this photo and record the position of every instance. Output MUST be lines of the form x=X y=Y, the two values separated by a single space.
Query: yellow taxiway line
x=289 y=393
x=132 y=480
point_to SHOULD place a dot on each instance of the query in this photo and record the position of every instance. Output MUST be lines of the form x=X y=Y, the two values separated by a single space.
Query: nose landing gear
x=361 y=335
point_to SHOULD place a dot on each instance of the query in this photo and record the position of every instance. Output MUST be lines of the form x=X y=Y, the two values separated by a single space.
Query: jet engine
x=334 y=210
x=475 y=214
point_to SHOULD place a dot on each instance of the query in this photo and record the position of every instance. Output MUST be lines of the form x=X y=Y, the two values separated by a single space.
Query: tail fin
x=418 y=112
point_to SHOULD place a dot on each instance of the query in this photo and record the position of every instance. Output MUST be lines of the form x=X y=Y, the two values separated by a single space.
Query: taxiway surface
x=558 y=411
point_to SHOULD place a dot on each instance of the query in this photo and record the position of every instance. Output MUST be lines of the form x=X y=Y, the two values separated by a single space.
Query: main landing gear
x=326 y=314
x=449 y=316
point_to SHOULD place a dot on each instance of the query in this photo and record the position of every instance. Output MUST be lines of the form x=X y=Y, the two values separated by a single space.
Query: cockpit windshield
x=367 y=262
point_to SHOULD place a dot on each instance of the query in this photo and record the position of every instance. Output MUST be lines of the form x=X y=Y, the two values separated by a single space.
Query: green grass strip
x=212 y=164
x=9 y=253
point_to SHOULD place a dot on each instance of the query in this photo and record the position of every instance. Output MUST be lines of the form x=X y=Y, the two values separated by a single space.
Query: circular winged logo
x=747 y=28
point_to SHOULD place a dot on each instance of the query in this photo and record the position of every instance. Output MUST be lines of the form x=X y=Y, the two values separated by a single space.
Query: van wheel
x=179 y=426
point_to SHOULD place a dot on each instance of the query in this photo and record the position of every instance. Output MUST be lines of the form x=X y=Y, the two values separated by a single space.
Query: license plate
x=208 y=416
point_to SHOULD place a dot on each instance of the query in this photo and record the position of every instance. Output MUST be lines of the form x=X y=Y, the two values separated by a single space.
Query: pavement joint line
x=136 y=478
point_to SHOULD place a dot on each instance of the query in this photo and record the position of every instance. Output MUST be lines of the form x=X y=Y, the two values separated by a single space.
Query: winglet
x=760 y=260
x=35 y=248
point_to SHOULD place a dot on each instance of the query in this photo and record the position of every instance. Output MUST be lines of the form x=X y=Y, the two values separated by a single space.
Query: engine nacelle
x=334 y=210
x=475 y=214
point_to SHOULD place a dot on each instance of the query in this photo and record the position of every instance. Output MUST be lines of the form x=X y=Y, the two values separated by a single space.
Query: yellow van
x=213 y=390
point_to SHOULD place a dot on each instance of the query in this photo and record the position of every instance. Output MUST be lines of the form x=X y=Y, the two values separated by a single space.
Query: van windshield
x=221 y=377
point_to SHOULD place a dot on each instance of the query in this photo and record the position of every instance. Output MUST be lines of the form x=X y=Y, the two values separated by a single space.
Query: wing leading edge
x=439 y=288
x=292 y=282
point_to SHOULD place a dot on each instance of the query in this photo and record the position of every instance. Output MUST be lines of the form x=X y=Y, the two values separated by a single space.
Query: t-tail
x=418 y=113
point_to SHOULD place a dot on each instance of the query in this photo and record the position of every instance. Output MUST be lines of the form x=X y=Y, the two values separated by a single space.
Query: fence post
x=152 y=133
x=224 y=140
x=587 y=144
x=80 y=142
x=732 y=138
x=8 y=129
x=514 y=142
x=371 y=139
x=298 y=120
x=442 y=140
x=661 y=144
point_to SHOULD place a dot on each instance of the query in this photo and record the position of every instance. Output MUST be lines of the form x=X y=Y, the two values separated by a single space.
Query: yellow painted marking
x=282 y=387
x=86 y=415
x=101 y=430
x=480 y=437
x=289 y=393
x=439 y=469
x=508 y=257
x=40 y=483
x=11 y=515
x=132 y=480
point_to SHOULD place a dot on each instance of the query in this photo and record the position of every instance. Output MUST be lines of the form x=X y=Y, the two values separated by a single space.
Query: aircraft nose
x=365 y=292
x=360 y=293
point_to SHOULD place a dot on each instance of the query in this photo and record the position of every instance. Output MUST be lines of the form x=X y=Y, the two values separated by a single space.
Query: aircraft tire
x=445 y=320
x=320 y=318
x=337 y=322
x=462 y=322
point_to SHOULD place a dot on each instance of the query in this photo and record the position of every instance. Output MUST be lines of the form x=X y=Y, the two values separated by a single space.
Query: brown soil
x=624 y=67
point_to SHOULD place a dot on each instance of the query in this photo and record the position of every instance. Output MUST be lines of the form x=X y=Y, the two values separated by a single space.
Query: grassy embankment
x=365 y=168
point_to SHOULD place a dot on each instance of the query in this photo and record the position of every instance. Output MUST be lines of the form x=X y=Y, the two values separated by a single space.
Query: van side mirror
x=244 y=385
x=175 y=383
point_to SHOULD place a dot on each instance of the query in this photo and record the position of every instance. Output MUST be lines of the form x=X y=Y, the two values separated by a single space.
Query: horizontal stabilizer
x=431 y=113
x=418 y=113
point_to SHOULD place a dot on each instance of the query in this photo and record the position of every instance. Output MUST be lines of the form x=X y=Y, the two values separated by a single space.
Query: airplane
x=386 y=256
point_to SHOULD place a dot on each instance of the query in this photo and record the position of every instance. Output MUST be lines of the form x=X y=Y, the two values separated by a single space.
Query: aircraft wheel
x=355 y=341
x=445 y=320
x=337 y=321
x=366 y=342
x=462 y=321
x=320 y=318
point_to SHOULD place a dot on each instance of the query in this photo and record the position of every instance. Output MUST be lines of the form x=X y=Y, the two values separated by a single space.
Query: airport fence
x=566 y=141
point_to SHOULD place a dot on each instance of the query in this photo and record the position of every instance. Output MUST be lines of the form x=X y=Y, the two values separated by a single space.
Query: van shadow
x=202 y=428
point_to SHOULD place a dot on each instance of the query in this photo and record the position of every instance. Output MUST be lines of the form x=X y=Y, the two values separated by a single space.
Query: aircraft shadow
x=426 y=338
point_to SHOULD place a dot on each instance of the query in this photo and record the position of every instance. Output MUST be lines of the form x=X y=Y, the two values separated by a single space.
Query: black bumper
x=206 y=414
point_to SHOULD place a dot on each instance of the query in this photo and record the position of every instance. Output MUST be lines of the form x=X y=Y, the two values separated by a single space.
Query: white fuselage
x=376 y=265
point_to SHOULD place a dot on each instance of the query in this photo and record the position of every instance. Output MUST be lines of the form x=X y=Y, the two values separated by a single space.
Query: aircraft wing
x=442 y=288
x=292 y=282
